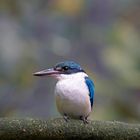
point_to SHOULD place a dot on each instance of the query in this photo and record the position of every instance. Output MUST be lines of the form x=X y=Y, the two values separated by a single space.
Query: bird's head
x=61 y=69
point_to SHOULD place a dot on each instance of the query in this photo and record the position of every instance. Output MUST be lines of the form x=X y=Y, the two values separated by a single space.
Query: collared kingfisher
x=74 y=90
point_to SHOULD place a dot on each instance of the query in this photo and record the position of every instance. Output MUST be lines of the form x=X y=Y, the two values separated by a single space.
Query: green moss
x=32 y=129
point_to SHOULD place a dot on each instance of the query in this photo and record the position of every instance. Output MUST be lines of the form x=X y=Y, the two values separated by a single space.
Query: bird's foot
x=66 y=118
x=84 y=119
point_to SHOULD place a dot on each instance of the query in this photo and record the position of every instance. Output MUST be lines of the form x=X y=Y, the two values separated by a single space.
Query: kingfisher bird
x=74 y=90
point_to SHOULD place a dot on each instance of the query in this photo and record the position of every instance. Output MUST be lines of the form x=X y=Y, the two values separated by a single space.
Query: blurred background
x=103 y=36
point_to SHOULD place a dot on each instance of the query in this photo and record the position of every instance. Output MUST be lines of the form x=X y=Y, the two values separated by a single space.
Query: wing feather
x=90 y=86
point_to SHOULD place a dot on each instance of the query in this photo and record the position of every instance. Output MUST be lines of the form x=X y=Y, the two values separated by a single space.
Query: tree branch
x=33 y=129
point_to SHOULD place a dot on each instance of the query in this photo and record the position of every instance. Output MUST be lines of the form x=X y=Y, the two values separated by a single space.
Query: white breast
x=72 y=95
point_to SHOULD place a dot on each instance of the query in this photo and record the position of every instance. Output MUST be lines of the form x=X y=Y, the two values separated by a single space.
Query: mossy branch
x=33 y=129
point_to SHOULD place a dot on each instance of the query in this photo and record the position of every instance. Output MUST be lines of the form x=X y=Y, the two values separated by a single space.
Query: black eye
x=65 y=68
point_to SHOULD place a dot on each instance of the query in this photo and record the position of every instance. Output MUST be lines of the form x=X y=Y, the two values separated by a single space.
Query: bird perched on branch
x=74 y=90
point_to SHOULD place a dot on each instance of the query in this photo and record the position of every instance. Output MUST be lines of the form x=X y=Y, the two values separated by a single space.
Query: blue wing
x=90 y=85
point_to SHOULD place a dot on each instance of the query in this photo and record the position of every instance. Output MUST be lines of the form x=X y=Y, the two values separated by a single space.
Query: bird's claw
x=84 y=119
x=66 y=118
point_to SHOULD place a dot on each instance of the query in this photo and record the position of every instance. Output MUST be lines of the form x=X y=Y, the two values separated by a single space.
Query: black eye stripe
x=68 y=69
x=65 y=68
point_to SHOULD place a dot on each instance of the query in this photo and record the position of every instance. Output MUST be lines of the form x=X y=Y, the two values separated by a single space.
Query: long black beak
x=46 y=72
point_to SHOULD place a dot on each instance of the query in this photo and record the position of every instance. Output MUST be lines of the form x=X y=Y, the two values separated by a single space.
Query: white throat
x=78 y=75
